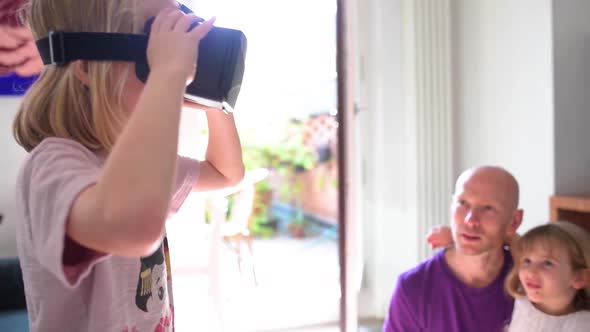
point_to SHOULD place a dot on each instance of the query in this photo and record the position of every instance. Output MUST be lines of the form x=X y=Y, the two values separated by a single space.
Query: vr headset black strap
x=60 y=47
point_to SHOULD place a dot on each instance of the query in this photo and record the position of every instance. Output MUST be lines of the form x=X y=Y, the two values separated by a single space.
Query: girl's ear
x=581 y=279
x=81 y=71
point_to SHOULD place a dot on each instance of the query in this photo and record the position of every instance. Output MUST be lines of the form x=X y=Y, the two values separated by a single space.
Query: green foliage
x=285 y=158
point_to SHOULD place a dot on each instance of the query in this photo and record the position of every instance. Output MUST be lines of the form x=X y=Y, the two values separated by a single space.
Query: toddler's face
x=548 y=278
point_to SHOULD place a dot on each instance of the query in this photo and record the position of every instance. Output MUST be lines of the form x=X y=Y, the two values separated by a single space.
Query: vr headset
x=220 y=62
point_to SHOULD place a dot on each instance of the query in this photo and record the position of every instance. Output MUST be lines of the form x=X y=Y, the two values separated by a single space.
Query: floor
x=373 y=325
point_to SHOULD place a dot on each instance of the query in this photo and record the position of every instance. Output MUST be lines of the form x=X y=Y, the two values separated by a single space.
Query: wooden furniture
x=574 y=208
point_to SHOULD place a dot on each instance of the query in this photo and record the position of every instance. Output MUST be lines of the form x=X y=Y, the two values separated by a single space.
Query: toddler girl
x=103 y=175
x=551 y=279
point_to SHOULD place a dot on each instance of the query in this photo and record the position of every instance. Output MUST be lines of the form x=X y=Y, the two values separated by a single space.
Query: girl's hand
x=439 y=237
x=171 y=47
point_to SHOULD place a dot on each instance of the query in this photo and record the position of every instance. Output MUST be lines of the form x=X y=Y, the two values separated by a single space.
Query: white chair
x=235 y=228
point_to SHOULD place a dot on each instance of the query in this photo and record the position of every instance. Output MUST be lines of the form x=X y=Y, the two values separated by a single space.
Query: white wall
x=503 y=83
x=11 y=157
x=386 y=140
x=571 y=28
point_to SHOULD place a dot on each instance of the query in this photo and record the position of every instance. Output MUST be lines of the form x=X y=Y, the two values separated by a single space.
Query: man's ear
x=81 y=71
x=515 y=221
x=581 y=279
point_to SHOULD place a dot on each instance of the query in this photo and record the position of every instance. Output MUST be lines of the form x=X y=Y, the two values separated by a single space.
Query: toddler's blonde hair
x=58 y=104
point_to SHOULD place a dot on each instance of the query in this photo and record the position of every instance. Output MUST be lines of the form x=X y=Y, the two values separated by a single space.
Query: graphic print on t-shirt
x=151 y=282
x=167 y=258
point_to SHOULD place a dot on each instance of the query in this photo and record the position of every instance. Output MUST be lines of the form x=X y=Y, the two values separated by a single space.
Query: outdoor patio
x=297 y=279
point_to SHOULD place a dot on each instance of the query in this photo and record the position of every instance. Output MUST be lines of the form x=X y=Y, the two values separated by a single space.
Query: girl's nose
x=532 y=269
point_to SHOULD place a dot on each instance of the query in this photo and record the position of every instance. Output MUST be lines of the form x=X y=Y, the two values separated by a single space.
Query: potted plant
x=261 y=224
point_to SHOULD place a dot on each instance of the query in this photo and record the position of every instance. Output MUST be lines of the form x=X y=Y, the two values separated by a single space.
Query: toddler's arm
x=439 y=236
x=125 y=212
x=223 y=166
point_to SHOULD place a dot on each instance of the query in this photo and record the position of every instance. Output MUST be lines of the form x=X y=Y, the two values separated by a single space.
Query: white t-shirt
x=527 y=318
x=96 y=291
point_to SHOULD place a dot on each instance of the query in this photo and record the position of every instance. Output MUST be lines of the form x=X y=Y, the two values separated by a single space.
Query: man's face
x=482 y=215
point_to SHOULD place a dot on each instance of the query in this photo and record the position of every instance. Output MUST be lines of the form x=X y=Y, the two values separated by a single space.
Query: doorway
x=288 y=122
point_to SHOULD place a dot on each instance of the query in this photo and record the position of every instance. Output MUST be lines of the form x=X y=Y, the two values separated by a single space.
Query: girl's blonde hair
x=562 y=235
x=58 y=104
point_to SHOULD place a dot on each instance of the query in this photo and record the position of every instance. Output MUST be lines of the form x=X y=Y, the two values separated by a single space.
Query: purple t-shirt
x=430 y=298
x=72 y=288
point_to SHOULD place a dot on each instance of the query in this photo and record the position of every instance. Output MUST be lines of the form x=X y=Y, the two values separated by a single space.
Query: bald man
x=460 y=289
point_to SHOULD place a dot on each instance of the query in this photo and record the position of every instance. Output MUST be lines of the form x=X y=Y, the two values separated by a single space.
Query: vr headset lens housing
x=220 y=64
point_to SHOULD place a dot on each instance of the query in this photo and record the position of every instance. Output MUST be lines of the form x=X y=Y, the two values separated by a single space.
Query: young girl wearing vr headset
x=103 y=173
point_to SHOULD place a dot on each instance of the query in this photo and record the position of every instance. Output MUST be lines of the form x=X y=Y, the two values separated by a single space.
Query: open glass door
x=281 y=267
